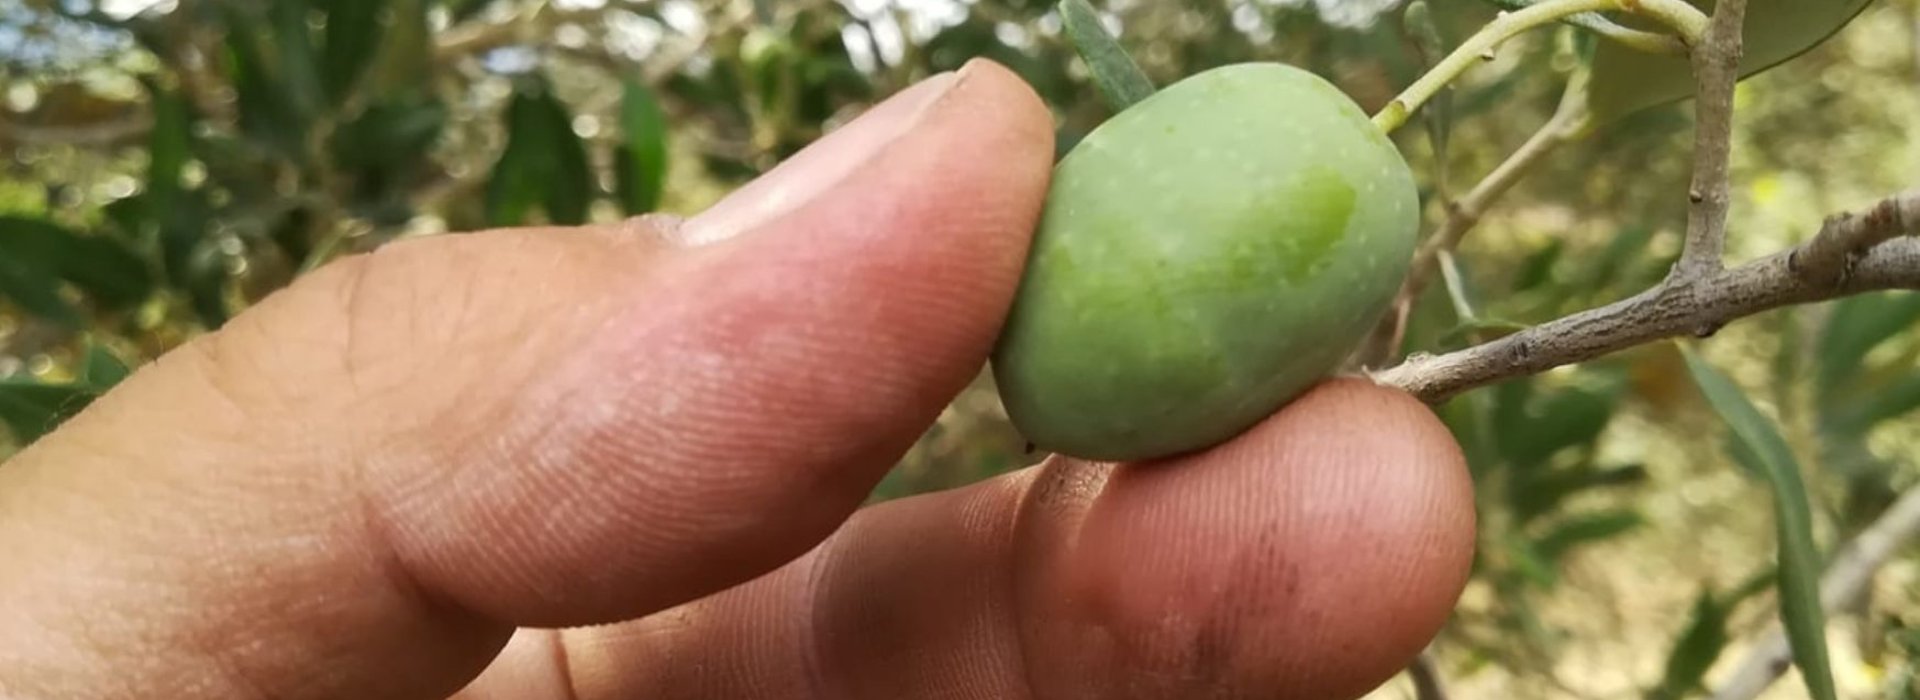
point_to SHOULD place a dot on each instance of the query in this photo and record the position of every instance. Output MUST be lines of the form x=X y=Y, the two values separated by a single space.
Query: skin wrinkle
x=813 y=632
x=1004 y=598
x=688 y=442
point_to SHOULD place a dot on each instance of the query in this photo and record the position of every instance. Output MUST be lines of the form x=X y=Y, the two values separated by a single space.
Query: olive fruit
x=1203 y=257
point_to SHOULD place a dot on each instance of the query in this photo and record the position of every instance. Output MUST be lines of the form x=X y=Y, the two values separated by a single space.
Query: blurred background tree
x=170 y=162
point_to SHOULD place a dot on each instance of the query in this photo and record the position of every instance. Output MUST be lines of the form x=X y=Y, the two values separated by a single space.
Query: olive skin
x=1204 y=257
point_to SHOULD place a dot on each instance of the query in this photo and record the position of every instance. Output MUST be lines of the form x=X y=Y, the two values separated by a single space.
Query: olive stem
x=1119 y=79
x=1637 y=39
x=1684 y=19
x=1882 y=247
x=1465 y=213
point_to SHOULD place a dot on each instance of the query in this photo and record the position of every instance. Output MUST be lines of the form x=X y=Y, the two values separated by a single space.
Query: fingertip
x=1313 y=556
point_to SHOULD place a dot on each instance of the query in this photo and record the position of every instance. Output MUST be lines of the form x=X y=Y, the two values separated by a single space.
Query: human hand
x=363 y=486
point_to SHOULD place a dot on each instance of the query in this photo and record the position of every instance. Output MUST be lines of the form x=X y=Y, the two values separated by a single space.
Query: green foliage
x=1700 y=644
x=1799 y=561
x=31 y=409
x=1120 y=80
x=544 y=165
x=37 y=257
x=1626 y=81
x=640 y=163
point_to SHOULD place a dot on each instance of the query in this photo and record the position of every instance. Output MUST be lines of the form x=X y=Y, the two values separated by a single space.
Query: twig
x=1677 y=14
x=1650 y=42
x=1845 y=581
x=1462 y=215
x=1697 y=307
x=1716 y=66
x=1426 y=679
x=1831 y=253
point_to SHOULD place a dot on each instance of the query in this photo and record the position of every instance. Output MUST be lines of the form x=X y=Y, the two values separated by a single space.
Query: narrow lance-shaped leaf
x=1799 y=562
x=403 y=63
x=517 y=182
x=103 y=268
x=169 y=146
x=266 y=112
x=1585 y=529
x=35 y=292
x=299 y=61
x=640 y=164
x=30 y=409
x=463 y=10
x=1695 y=650
x=102 y=369
x=1119 y=79
x=572 y=189
x=1857 y=326
x=353 y=33
x=1705 y=637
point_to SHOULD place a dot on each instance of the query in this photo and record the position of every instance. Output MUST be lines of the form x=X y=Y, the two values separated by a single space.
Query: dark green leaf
x=1580 y=530
x=31 y=409
x=1529 y=564
x=1695 y=650
x=102 y=369
x=403 y=61
x=1566 y=418
x=299 y=62
x=353 y=34
x=1857 y=326
x=267 y=112
x=37 y=293
x=1119 y=79
x=1882 y=403
x=1799 y=572
x=572 y=189
x=1537 y=269
x=1626 y=80
x=169 y=147
x=640 y=164
x=463 y=10
x=1626 y=247
x=387 y=147
x=103 y=268
x=1536 y=493
x=544 y=163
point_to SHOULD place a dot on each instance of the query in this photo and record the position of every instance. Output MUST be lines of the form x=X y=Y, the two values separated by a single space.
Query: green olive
x=1203 y=258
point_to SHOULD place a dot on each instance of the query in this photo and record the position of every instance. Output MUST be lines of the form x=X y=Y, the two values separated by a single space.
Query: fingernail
x=818 y=167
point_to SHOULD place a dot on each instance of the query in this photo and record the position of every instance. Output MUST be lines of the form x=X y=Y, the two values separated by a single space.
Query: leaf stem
x=1120 y=80
x=1637 y=39
x=1689 y=23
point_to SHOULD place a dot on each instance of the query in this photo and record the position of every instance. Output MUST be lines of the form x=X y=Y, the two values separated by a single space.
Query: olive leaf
x=1120 y=80
x=1626 y=81
x=1799 y=573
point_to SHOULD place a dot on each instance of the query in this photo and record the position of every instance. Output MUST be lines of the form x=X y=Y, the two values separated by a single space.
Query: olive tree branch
x=1465 y=213
x=1879 y=252
x=1716 y=67
x=1845 y=580
x=1640 y=40
x=1684 y=19
x=1426 y=679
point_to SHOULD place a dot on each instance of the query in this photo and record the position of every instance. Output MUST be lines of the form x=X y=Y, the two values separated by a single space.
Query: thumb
x=358 y=488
